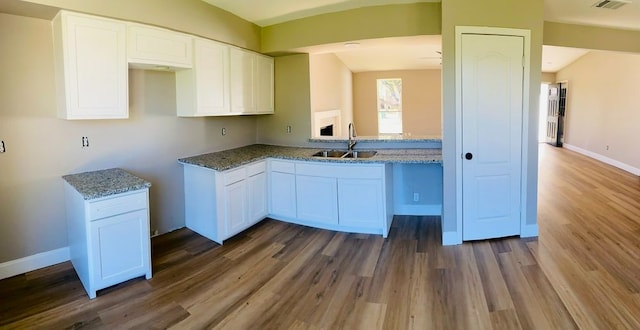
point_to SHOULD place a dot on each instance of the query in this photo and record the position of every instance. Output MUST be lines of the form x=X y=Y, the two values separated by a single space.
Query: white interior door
x=492 y=110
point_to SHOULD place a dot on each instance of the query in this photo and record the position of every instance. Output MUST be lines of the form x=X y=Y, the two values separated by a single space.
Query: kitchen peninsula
x=229 y=191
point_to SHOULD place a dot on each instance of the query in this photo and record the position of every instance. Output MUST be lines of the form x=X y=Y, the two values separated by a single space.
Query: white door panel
x=492 y=109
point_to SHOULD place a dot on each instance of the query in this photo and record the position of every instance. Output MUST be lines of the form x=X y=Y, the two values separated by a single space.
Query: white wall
x=41 y=148
x=602 y=115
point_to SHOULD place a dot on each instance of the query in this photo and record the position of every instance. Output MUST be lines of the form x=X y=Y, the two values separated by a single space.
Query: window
x=390 y=106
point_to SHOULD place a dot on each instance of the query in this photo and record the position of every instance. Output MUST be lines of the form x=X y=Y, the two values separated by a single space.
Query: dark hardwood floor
x=582 y=272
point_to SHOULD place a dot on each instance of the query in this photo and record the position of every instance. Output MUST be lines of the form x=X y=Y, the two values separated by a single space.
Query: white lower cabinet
x=282 y=189
x=220 y=204
x=317 y=199
x=235 y=208
x=120 y=245
x=361 y=202
x=109 y=238
x=338 y=196
x=257 y=192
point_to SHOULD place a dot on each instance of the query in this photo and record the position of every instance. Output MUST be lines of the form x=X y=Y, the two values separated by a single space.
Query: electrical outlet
x=2 y=147
x=224 y=131
x=416 y=196
x=288 y=129
x=607 y=147
x=85 y=142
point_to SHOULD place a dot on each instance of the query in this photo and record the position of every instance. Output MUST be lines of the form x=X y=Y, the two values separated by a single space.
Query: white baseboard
x=604 y=159
x=36 y=261
x=409 y=209
x=451 y=238
x=529 y=230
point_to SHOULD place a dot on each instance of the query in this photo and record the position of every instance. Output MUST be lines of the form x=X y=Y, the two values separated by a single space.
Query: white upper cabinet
x=264 y=84
x=91 y=67
x=242 y=78
x=204 y=90
x=251 y=82
x=93 y=54
x=150 y=47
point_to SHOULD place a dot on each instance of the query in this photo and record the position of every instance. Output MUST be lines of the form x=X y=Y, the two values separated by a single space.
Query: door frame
x=525 y=230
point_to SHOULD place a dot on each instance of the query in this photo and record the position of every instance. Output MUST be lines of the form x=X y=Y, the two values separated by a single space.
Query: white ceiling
x=583 y=12
x=421 y=52
x=385 y=54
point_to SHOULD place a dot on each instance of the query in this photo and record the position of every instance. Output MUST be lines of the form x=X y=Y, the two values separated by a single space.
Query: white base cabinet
x=355 y=198
x=220 y=204
x=346 y=197
x=317 y=199
x=108 y=238
x=282 y=189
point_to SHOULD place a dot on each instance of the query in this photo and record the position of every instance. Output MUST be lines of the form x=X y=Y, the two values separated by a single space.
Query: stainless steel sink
x=345 y=154
x=360 y=154
x=330 y=153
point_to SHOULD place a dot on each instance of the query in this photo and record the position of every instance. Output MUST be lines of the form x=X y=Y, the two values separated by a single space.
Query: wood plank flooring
x=582 y=272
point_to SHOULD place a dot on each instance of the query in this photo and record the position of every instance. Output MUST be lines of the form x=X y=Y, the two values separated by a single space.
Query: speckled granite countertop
x=384 y=138
x=227 y=159
x=97 y=184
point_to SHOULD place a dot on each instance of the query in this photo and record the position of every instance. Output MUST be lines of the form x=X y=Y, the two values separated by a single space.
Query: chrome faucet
x=352 y=137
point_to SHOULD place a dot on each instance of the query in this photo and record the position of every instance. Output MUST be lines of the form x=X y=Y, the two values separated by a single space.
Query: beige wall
x=421 y=101
x=331 y=89
x=548 y=77
x=41 y=148
x=602 y=105
x=591 y=37
x=523 y=14
x=191 y=16
x=292 y=104
x=357 y=24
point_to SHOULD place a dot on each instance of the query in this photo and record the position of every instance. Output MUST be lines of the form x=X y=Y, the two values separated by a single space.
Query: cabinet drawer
x=117 y=205
x=256 y=168
x=233 y=176
x=283 y=166
x=352 y=171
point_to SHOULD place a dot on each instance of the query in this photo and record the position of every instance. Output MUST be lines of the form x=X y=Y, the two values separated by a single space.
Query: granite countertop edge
x=369 y=139
x=232 y=158
x=103 y=183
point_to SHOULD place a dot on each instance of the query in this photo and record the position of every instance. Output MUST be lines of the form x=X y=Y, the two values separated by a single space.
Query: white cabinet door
x=257 y=194
x=264 y=84
x=119 y=249
x=91 y=67
x=283 y=194
x=236 y=207
x=150 y=47
x=361 y=202
x=242 y=81
x=204 y=90
x=317 y=199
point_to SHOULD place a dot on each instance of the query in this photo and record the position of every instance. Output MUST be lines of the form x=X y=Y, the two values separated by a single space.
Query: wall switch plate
x=288 y=129
x=416 y=196
x=224 y=131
